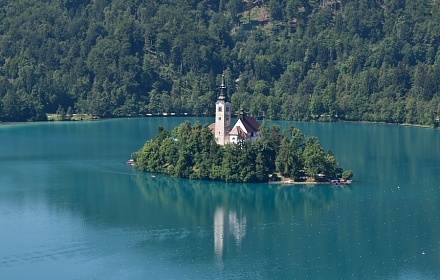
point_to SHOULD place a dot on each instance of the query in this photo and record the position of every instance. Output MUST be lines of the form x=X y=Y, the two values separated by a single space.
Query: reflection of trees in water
x=236 y=212
x=198 y=200
x=141 y=200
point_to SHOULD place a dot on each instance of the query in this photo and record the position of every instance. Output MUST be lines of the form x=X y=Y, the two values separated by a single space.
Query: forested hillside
x=372 y=60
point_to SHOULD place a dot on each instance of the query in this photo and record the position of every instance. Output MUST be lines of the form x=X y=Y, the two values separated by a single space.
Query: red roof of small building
x=250 y=124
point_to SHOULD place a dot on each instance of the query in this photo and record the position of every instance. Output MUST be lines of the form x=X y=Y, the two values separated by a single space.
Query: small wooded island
x=249 y=152
x=192 y=152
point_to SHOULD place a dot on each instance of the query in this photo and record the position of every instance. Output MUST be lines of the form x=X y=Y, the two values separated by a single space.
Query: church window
x=219 y=109
x=227 y=108
x=219 y=118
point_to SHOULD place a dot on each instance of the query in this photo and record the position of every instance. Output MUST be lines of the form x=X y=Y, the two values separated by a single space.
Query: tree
x=190 y=151
x=331 y=169
x=234 y=7
x=313 y=157
x=321 y=58
x=347 y=174
x=61 y=113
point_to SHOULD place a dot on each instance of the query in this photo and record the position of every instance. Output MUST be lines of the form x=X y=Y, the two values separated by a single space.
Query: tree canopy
x=192 y=152
x=369 y=60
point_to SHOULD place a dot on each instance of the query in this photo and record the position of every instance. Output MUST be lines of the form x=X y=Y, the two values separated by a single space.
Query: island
x=245 y=152
x=191 y=151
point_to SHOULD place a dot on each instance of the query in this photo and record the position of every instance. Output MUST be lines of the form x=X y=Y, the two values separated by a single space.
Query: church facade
x=246 y=127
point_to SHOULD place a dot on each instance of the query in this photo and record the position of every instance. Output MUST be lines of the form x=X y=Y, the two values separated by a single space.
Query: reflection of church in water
x=225 y=225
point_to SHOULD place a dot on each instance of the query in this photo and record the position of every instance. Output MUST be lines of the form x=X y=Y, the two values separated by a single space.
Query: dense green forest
x=192 y=152
x=370 y=60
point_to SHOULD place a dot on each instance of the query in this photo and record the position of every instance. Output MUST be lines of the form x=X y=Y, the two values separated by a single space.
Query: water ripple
x=55 y=252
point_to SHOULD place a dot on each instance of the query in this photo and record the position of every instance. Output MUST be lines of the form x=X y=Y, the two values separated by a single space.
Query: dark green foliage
x=191 y=152
x=289 y=161
x=291 y=60
x=347 y=174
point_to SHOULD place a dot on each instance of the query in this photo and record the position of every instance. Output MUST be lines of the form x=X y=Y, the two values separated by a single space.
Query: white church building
x=246 y=127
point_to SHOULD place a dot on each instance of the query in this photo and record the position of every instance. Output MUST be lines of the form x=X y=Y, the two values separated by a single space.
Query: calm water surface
x=71 y=209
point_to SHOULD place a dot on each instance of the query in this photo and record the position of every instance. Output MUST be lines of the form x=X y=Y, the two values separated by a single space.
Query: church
x=246 y=127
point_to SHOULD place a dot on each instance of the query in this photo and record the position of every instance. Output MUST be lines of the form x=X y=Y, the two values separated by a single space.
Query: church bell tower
x=222 y=115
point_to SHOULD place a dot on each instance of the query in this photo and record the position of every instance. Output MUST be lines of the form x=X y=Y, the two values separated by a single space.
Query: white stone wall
x=222 y=121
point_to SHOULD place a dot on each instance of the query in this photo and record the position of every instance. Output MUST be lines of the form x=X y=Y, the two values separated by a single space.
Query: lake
x=70 y=208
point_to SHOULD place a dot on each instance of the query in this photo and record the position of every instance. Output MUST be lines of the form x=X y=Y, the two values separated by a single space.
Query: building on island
x=246 y=127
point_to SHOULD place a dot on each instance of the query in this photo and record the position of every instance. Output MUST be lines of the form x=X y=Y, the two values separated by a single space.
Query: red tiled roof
x=212 y=127
x=250 y=124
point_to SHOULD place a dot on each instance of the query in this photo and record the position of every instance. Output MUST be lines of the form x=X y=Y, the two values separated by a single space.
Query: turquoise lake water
x=70 y=208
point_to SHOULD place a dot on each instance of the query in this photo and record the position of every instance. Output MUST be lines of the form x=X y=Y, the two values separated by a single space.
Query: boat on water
x=340 y=182
x=130 y=162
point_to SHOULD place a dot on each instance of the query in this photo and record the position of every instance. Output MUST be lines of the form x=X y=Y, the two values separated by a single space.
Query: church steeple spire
x=222 y=115
x=223 y=95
